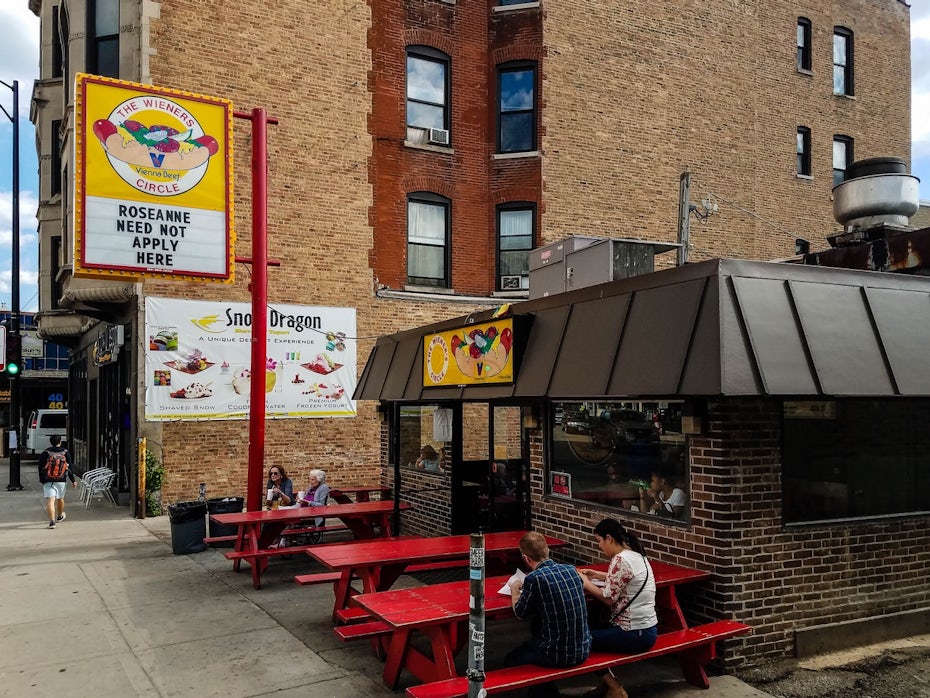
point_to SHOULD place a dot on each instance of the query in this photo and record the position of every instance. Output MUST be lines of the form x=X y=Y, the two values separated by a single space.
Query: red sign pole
x=259 y=289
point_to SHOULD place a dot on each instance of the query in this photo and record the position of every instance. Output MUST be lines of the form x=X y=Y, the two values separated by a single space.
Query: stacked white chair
x=89 y=477
x=100 y=484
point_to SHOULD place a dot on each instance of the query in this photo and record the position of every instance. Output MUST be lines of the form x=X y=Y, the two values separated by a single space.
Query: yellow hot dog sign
x=153 y=189
x=470 y=355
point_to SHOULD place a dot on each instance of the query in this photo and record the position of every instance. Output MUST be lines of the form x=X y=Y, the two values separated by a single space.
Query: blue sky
x=19 y=60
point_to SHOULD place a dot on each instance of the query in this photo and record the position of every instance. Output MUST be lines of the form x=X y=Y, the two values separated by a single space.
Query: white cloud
x=19 y=52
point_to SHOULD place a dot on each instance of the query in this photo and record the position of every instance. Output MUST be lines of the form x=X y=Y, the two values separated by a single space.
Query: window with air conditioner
x=516 y=224
x=427 y=96
x=428 y=229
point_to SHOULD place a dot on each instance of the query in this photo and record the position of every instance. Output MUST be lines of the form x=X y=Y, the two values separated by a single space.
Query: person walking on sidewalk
x=54 y=471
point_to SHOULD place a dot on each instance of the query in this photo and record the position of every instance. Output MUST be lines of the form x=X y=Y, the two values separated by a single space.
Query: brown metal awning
x=721 y=327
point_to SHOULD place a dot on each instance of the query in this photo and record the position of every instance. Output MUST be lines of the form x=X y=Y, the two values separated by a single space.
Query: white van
x=42 y=425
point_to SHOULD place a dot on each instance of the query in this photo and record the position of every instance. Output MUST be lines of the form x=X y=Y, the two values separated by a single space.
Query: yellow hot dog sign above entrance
x=153 y=182
x=471 y=355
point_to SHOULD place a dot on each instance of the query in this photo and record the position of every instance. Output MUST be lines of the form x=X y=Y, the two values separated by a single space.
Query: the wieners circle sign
x=153 y=182
x=155 y=146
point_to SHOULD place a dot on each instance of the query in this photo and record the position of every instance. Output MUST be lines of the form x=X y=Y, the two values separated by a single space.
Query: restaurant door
x=489 y=470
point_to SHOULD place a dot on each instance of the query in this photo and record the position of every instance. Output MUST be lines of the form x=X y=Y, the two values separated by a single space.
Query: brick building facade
x=619 y=102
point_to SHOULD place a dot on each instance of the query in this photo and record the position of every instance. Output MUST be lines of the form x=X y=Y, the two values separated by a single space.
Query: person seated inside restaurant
x=280 y=489
x=663 y=498
x=500 y=480
x=429 y=460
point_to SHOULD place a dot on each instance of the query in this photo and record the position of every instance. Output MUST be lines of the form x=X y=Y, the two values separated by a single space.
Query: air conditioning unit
x=438 y=136
x=511 y=283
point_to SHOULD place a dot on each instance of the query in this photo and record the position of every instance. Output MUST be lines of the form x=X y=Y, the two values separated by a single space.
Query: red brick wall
x=466 y=175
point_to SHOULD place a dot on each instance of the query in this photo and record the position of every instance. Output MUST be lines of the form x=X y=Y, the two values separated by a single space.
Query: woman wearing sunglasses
x=280 y=489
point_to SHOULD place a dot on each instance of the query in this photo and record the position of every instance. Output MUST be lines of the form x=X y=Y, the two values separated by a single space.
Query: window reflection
x=627 y=455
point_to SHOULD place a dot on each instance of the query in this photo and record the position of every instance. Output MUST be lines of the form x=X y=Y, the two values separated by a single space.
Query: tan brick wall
x=636 y=94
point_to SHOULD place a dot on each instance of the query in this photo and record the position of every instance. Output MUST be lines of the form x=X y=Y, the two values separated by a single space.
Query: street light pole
x=15 y=409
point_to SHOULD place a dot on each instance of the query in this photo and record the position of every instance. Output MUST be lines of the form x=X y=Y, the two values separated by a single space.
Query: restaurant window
x=804 y=43
x=425 y=431
x=804 y=151
x=516 y=109
x=842 y=61
x=428 y=240
x=515 y=226
x=842 y=156
x=615 y=454
x=103 y=35
x=849 y=459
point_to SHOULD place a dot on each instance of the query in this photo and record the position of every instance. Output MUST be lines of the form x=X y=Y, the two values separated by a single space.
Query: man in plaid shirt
x=553 y=594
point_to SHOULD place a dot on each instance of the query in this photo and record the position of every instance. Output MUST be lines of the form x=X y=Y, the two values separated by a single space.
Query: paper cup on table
x=301 y=495
x=270 y=494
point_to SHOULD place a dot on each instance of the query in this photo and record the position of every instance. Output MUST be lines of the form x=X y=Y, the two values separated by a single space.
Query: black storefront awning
x=721 y=327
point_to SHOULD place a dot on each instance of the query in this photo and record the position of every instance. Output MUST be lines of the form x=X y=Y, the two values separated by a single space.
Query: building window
x=103 y=35
x=842 y=156
x=516 y=109
x=428 y=240
x=62 y=38
x=804 y=151
x=847 y=459
x=55 y=174
x=515 y=236
x=56 y=44
x=618 y=454
x=842 y=61
x=427 y=88
x=804 y=43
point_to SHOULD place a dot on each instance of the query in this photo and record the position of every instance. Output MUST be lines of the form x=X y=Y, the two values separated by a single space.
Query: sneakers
x=51 y=524
x=61 y=516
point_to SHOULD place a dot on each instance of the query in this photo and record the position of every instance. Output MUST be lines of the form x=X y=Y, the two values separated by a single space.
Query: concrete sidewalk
x=100 y=607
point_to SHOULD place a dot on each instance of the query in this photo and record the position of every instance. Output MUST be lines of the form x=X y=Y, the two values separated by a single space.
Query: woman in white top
x=630 y=592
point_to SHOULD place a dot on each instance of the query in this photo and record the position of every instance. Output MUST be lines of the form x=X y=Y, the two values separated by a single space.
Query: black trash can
x=224 y=505
x=188 y=527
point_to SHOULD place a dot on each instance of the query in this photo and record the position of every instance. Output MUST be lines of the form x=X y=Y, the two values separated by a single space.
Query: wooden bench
x=694 y=647
x=266 y=552
x=317 y=578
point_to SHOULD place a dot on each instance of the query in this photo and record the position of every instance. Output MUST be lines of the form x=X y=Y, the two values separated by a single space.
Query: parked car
x=622 y=428
x=42 y=424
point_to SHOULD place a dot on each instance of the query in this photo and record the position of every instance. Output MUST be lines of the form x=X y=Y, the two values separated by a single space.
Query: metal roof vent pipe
x=875 y=201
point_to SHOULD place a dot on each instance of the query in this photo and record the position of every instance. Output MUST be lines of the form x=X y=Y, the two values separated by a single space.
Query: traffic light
x=14 y=354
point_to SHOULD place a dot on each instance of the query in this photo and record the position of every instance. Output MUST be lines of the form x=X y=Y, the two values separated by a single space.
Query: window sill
x=430 y=289
x=844 y=96
x=806 y=71
x=809 y=178
x=510 y=294
x=445 y=150
x=515 y=8
x=515 y=156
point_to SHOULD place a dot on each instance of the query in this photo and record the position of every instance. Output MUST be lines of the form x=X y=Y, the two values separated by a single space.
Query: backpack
x=56 y=466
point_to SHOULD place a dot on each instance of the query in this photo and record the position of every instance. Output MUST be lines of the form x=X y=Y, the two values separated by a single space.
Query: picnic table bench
x=378 y=563
x=258 y=530
x=440 y=612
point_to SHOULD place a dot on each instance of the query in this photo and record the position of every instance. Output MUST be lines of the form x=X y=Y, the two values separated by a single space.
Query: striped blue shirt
x=554 y=593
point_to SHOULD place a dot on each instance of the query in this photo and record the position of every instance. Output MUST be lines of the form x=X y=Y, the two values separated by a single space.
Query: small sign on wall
x=560 y=484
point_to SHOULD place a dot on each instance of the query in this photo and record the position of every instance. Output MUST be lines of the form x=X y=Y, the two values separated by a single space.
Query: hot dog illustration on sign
x=155 y=145
x=482 y=353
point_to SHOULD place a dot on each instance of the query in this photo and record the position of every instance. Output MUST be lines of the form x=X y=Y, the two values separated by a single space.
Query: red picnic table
x=440 y=611
x=378 y=563
x=259 y=529
x=362 y=493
